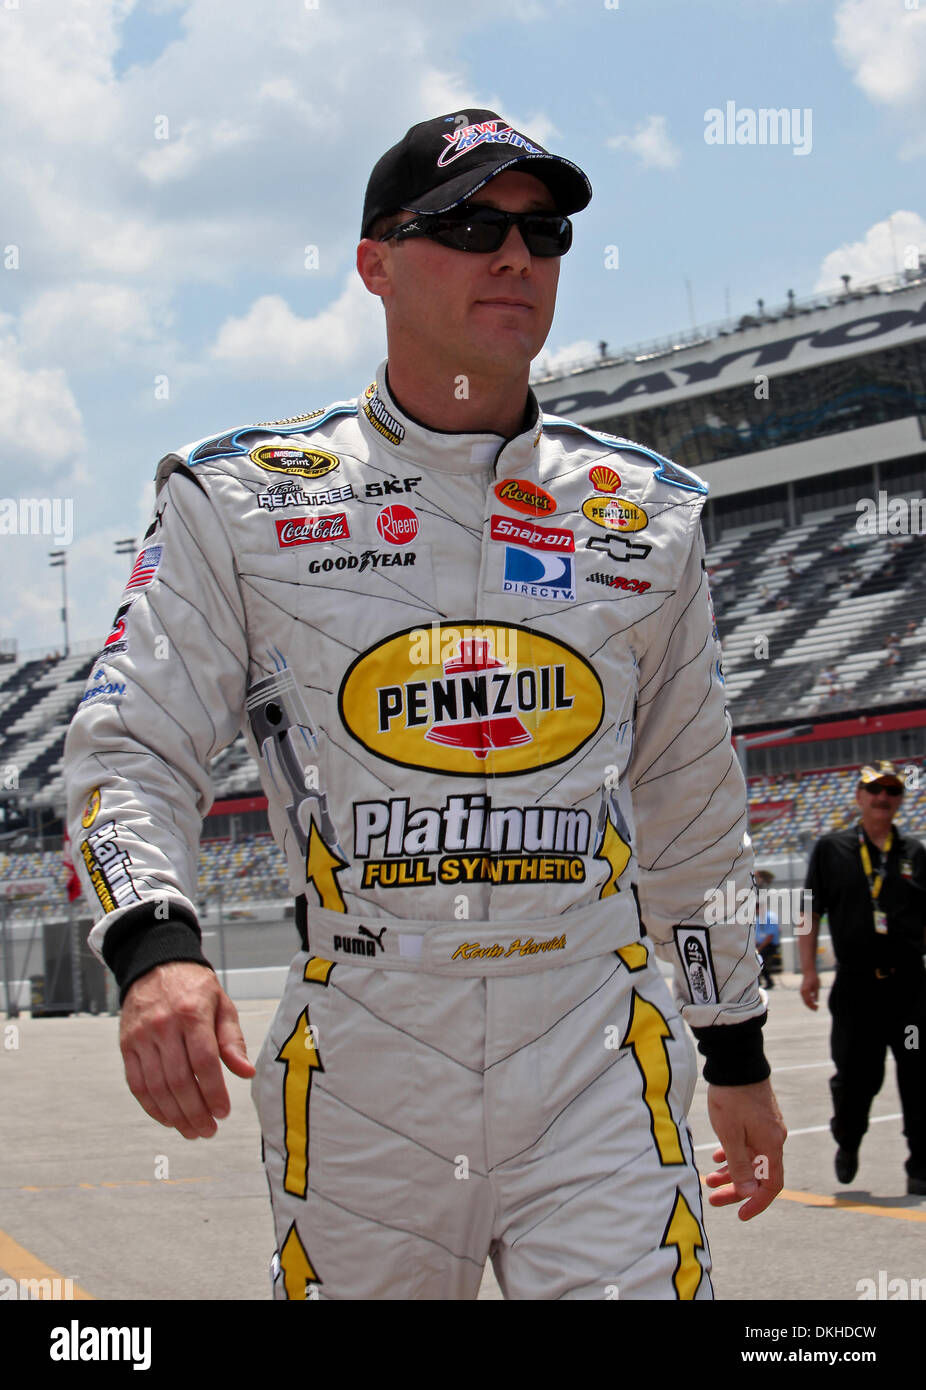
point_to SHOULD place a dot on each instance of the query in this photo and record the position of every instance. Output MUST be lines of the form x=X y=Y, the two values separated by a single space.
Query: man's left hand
x=748 y=1123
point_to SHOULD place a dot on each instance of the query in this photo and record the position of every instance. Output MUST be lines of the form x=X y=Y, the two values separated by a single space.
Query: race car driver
x=472 y=651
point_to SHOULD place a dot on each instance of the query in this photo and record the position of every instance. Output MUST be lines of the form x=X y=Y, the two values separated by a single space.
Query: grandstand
x=809 y=424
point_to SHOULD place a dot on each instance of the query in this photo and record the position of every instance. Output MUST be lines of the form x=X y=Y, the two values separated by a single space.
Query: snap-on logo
x=534 y=537
x=471 y=700
x=525 y=497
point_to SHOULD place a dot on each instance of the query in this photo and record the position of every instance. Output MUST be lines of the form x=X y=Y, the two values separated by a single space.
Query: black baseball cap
x=439 y=163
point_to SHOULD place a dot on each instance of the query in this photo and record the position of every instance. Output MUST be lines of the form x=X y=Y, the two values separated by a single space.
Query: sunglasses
x=483 y=229
x=874 y=787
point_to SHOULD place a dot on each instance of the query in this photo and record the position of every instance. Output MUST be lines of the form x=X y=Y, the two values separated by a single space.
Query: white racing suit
x=482 y=685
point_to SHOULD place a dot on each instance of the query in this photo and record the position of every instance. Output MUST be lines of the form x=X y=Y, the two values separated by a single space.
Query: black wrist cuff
x=734 y=1052
x=141 y=940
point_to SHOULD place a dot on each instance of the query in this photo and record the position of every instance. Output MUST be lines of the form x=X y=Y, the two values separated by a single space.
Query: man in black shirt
x=871 y=882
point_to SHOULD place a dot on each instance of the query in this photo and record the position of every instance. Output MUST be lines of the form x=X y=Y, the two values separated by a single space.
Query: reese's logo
x=285 y=458
x=615 y=513
x=525 y=496
x=469 y=701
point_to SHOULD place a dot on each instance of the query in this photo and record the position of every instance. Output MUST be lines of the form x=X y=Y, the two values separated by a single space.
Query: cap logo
x=466 y=138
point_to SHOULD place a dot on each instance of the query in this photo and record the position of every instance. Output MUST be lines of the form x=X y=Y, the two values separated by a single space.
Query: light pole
x=743 y=742
x=59 y=560
x=126 y=546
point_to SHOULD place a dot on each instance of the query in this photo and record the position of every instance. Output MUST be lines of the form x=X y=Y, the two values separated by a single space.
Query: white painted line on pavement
x=814 y=1129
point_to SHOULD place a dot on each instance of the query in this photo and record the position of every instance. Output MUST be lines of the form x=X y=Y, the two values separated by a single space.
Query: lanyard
x=874 y=881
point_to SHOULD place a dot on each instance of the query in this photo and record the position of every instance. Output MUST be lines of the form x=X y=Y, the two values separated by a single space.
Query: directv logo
x=539 y=575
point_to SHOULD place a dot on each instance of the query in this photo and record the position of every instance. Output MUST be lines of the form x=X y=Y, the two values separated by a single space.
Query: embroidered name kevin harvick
x=530 y=947
x=108 y=867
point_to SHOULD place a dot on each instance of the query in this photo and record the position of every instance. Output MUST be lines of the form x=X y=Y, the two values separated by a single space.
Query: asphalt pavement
x=94 y=1192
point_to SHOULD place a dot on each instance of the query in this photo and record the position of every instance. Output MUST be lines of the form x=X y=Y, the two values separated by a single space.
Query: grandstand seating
x=253 y=868
x=804 y=614
x=819 y=802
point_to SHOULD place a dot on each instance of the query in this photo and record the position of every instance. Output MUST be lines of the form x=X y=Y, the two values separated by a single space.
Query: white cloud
x=40 y=424
x=650 y=143
x=271 y=337
x=90 y=322
x=561 y=359
x=883 y=43
x=886 y=247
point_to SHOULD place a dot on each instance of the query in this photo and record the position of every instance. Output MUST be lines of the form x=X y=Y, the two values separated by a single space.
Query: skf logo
x=615 y=513
x=446 y=700
x=603 y=479
x=305 y=463
x=307 y=530
x=525 y=497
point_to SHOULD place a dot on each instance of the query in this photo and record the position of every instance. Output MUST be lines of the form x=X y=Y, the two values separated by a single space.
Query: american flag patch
x=145 y=567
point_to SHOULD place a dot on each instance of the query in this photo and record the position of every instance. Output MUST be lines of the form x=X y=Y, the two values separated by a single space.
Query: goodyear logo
x=284 y=458
x=615 y=513
x=471 y=701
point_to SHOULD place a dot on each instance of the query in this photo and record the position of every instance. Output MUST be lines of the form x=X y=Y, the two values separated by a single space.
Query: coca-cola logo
x=397 y=524
x=306 y=530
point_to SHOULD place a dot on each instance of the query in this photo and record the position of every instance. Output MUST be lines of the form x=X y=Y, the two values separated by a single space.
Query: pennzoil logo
x=524 y=496
x=471 y=701
x=284 y=458
x=615 y=513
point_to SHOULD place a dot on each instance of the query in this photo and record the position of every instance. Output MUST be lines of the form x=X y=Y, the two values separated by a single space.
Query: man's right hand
x=810 y=989
x=178 y=1025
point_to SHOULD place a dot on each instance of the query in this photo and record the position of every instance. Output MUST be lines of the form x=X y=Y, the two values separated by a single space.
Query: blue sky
x=165 y=165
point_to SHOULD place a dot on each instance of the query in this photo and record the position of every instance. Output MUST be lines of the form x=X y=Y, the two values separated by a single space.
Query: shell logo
x=471 y=700
x=284 y=458
x=524 y=496
x=604 y=479
x=615 y=513
x=91 y=809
